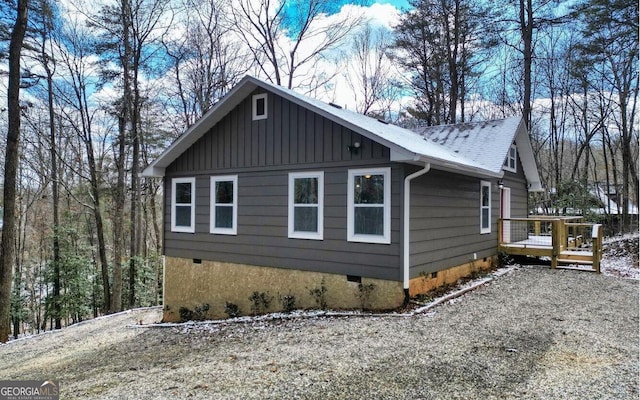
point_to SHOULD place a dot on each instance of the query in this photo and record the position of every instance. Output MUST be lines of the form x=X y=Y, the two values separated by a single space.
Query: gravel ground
x=534 y=333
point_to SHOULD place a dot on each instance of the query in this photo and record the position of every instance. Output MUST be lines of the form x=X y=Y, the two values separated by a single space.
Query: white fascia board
x=153 y=172
x=529 y=165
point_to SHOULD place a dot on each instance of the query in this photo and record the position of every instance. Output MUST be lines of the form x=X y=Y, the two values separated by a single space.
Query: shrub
x=288 y=303
x=260 y=302
x=318 y=294
x=232 y=310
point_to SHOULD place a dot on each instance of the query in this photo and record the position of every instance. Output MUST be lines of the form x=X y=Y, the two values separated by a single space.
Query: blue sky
x=400 y=4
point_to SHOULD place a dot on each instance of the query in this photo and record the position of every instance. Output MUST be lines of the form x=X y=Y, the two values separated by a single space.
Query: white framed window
x=369 y=205
x=259 y=106
x=510 y=163
x=183 y=205
x=485 y=207
x=306 y=205
x=224 y=205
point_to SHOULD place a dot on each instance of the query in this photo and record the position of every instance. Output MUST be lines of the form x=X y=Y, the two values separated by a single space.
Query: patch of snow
x=620 y=256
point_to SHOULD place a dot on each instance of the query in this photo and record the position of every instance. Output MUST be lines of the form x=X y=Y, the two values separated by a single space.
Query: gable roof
x=405 y=145
x=486 y=143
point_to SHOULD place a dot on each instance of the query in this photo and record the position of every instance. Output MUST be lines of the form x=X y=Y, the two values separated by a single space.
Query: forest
x=95 y=90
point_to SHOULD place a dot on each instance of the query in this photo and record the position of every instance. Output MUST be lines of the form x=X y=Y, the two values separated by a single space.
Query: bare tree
x=205 y=59
x=610 y=29
x=286 y=37
x=369 y=71
x=80 y=117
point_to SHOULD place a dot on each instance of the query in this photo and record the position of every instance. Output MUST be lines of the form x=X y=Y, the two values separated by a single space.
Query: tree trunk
x=7 y=249
x=55 y=197
x=97 y=215
x=134 y=245
x=118 y=229
x=526 y=32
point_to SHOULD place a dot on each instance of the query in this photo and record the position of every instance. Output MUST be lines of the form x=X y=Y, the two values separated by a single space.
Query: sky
x=400 y=4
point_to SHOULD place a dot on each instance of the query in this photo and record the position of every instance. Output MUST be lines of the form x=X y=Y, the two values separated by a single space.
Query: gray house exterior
x=277 y=193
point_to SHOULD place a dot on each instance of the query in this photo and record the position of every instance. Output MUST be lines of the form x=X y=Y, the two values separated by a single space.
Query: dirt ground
x=534 y=333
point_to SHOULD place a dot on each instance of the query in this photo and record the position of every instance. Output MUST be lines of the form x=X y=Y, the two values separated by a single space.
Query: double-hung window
x=224 y=205
x=369 y=205
x=183 y=205
x=485 y=207
x=510 y=162
x=306 y=197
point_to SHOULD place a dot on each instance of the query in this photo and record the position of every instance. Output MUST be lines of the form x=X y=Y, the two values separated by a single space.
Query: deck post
x=596 y=239
x=562 y=235
x=555 y=242
x=499 y=234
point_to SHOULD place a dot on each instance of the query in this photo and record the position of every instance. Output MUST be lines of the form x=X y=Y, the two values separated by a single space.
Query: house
x=287 y=198
x=610 y=200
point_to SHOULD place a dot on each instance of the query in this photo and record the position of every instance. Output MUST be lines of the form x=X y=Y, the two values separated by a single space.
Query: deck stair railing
x=567 y=240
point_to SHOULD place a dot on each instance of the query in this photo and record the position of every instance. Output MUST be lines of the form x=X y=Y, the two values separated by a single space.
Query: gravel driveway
x=534 y=333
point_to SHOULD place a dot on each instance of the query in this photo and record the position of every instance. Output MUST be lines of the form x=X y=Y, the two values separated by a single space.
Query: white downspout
x=407 y=216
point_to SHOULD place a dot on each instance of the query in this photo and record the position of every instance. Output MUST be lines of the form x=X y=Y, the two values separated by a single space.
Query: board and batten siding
x=519 y=191
x=262 y=153
x=445 y=220
x=516 y=181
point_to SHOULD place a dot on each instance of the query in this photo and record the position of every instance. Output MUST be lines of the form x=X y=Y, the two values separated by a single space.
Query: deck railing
x=564 y=239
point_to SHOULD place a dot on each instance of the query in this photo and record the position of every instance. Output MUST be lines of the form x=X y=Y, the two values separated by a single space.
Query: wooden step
x=575 y=261
x=576 y=256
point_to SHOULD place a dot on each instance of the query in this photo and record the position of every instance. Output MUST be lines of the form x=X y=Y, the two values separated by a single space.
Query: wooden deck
x=569 y=242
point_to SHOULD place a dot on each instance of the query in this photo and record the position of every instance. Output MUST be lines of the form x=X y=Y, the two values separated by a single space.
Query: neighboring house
x=610 y=201
x=277 y=193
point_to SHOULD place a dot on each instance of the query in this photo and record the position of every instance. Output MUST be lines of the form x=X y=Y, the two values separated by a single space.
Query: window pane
x=305 y=219
x=485 y=218
x=369 y=189
x=183 y=215
x=224 y=217
x=485 y=196
x=224 y=192
x=369 y=220
x=183 y=193
x=260 y=106
x=305 y=191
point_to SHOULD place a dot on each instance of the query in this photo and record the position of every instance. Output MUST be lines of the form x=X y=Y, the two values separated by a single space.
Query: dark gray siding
x=290 y=136
x=262 y=153
x=519 y=191
x=445 y=223
x=519 y=200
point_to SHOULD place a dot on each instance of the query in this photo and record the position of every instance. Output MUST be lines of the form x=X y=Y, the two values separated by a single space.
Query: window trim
x=507 y=162
x=254 y=107
x=319 y=234
x=484 y=230
x=192 y=227
x=385 y=238
x=212 y=214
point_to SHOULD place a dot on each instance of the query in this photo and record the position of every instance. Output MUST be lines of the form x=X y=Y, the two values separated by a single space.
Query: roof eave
x=527 y=159
x=153 y=172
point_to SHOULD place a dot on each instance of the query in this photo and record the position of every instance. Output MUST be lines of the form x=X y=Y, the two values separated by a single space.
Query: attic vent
x=335 y=105
x=383 y=121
